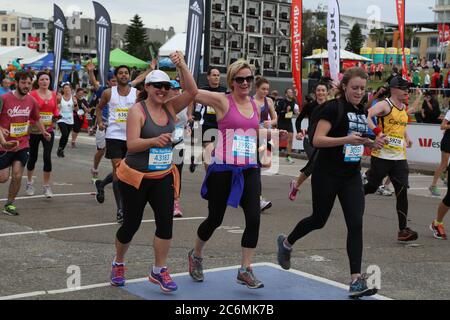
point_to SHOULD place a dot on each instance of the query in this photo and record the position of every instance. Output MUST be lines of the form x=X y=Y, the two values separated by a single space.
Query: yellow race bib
x=18 y=130
x=121 y=115
x=46 y=118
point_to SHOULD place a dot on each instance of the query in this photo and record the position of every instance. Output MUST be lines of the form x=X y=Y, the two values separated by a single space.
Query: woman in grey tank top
x=150 y=124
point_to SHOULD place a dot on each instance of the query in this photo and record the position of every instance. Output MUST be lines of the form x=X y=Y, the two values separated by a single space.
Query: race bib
x=178 y=134
x=289 y=115
x=244 y=146
x=121 y=115
x=160 y=159
x=18 y=130
x=210 y=110
x=353 y=153
x=46 y=118
x=395 y=143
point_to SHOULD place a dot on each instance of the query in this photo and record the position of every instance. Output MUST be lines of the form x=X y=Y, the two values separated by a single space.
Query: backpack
x=315 y=117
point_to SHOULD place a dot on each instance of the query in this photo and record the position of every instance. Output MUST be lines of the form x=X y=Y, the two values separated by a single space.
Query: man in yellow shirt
x=391 y=159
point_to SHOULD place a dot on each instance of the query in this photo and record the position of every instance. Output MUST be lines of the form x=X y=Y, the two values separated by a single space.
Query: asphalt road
x=38 y=261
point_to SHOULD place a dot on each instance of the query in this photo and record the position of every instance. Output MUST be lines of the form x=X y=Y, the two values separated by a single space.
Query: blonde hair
x=234 y=68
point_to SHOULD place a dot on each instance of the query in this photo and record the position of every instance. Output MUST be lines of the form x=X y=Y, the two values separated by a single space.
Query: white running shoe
x=29 y=189
x=384 y=191
x=48 y=191
x=265 y=204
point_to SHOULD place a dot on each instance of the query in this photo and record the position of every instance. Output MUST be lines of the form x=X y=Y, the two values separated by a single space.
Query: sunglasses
x=160 y=85
x=240 y=80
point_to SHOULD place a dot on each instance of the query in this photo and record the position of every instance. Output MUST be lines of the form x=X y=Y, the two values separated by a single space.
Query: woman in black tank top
x=150 y=124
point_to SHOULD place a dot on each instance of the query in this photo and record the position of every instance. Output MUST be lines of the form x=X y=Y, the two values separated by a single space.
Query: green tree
x=378 y=36
x=355 y=39
x=136 y=41
x=51 y=41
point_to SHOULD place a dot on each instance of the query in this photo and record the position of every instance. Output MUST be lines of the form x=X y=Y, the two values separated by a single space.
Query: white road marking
x=107 y=284
x=55 y=195
x=82 y=227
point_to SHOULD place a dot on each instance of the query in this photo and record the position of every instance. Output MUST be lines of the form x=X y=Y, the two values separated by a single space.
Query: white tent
x=176 y=43
x=345 y=55
x=8 y=54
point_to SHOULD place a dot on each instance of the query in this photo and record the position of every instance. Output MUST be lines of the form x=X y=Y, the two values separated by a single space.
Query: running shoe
x=264 y=205
x=94 y=174
x=438 y=230
x=195 y=267
x=289 y=160
x=29 y=189
x=164 y=280
x=117 y=275
x=60 y=153
x=384 y=191
x=359 y=288
x=407 y=235
x=119 y=216
x=10 y=210
x=293 y=190
x=177 y=213
x=364 y=178
x=48 y=191
x=434 y=191
x=246 y=277
x=100 y=195
x=284 y=254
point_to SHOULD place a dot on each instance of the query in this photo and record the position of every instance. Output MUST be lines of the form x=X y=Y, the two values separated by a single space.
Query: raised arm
x=90 y=68
x=190 y=89
x=140 y=78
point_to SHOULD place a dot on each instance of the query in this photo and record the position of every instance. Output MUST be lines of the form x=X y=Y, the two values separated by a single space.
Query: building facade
x=442 y=11
x=33 y=33
x=9 y=29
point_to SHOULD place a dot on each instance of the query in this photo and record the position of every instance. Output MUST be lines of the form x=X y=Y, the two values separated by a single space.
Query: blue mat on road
x=221 y=285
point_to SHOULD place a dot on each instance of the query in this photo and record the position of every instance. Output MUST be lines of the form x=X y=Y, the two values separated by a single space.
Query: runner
x=120 y=99
x=391 y=159
x=339 y=135
x=321 y=96
x=147 y=174
x=267 y=120
x=233 y=178
x=65 y=123
x=285 y=109
x=437 y=226
x=48 y=110
x=178 y=142
x=79 y=116
x=17 y=109
x=445 y=154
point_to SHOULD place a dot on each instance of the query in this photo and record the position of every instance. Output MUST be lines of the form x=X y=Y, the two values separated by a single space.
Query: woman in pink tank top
x=233 y=178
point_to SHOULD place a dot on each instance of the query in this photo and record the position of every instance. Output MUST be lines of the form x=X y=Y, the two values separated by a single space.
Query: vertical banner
x=444 y=33
x=296 y=44
x=401 y=28
x=334 y=39
x=59 y=24
x=194 y=36
x=103 y=34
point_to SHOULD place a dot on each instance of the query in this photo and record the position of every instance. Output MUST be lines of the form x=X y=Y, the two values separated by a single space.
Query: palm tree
x=378 y=36
x=409 y=36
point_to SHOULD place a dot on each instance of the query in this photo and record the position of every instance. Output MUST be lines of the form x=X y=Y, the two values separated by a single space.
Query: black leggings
x=159 y=194
x=65 y=131
x=325 y=188
x=446 y=199
x=398 y=171
x=34 y=148
x=219 y=187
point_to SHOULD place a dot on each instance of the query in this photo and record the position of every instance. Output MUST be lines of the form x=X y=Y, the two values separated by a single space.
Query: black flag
x=103 y=33
x=194 y=36
x=59 y=23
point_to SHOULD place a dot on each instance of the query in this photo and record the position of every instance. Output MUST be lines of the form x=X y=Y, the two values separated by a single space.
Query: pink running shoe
x=177 y=213
x=293 y=190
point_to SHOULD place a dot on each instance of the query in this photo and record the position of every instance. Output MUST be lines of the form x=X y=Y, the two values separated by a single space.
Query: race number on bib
x=121 y=115
x=289 y=115
x=395 y=143
x=353 y=153
x=46 y=118
x=244 y=146
x=18 y=130
x=160 y=159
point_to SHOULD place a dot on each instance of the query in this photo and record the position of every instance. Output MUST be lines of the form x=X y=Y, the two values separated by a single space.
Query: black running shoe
x=100 y=195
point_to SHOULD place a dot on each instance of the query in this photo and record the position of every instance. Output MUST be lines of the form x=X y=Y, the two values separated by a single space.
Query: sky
x=166 y=13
